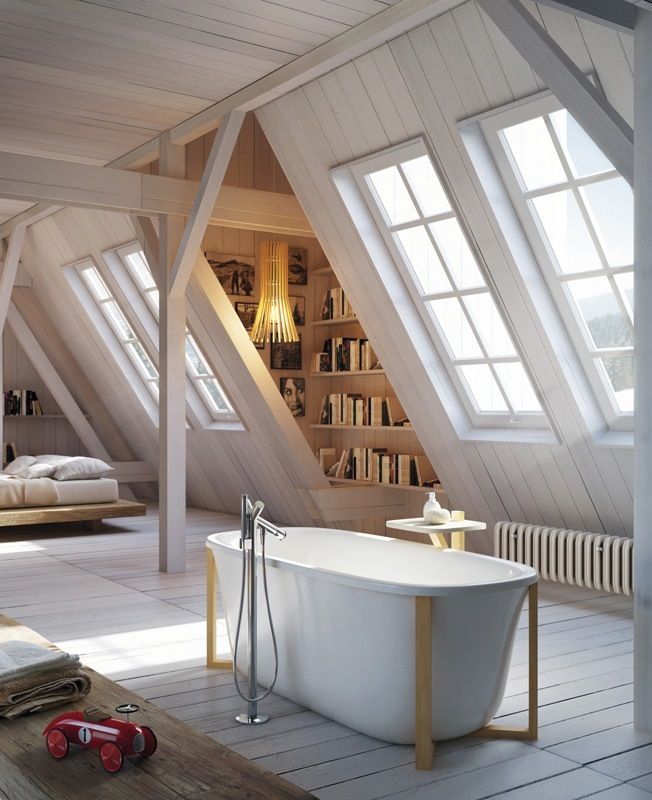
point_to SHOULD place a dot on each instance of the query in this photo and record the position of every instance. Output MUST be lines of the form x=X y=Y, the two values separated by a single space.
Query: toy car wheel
x=150 y=741
x=57 y=743
x=111 y=756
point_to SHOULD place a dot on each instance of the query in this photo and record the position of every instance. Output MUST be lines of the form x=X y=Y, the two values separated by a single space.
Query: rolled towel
x=19 y=659
x=37 y=692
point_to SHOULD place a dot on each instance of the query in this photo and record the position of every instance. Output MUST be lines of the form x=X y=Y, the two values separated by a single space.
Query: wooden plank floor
x=100 y=595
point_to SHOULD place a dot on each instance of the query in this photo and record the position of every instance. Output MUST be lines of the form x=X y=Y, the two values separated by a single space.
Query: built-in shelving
x=403 y=486
x=347 y=373
x=337 y=321
x=364 y=427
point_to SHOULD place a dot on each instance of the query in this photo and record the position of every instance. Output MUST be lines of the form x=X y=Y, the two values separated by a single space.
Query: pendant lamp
x=274 y=321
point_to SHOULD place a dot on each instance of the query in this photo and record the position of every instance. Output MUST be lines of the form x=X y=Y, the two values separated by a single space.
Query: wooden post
x=211 y=616
x=458 y=539
x=643 y=371
x=7 y=280
x=172 y=384
x=423 y=682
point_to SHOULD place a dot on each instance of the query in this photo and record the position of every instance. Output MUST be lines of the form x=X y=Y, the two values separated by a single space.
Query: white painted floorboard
x=102 y=596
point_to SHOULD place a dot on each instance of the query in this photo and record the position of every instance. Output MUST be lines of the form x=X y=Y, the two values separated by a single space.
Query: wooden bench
x=186 y=764
x=85 y=512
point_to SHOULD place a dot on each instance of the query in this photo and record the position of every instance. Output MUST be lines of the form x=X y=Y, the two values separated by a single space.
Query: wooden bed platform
x=186 y=763
x=86 y=512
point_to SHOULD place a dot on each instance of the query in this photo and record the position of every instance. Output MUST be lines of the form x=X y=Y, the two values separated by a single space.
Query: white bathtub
x=343 y=608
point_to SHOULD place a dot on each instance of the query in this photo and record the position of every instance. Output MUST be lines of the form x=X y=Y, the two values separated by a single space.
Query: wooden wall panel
x=424 y=83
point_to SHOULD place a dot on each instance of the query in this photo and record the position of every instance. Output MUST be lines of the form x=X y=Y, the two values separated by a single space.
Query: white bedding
x=21 y=493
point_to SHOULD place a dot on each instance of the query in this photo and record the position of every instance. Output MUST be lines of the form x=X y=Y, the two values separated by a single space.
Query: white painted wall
x=424 y=83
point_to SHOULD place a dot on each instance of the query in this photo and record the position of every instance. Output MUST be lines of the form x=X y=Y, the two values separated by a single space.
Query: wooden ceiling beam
x=62 y=183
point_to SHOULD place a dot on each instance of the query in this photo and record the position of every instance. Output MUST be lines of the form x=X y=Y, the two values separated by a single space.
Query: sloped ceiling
x=90 y=80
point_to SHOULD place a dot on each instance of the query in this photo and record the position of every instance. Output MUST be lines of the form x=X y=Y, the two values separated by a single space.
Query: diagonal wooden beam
x=55 y=384
x=9 y=270
x=564 y=78
x=209 y=187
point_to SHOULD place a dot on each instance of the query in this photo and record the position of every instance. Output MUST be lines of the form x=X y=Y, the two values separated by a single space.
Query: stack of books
x=375 y=464
x=21 y=403
x=344 y=354
x=335 y=305
x=354 y=409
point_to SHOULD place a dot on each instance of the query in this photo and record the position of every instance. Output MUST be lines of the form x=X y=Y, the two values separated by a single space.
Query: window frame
x=197 y=380
x=480 y=420
x=491 y=124
x=150 y=382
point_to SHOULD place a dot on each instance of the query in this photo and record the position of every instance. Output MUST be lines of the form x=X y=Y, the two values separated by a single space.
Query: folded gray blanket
x=42 y=691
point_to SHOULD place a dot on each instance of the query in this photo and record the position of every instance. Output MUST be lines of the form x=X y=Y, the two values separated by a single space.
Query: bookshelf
x=368 y=383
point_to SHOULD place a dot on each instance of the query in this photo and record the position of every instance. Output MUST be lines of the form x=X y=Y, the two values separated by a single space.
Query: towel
x=19 y=659
x=44 y=690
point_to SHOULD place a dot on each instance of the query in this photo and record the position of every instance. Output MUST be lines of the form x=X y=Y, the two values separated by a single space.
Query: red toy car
x=113 y=738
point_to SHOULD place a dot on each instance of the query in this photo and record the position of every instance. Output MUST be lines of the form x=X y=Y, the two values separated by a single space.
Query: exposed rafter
x=564 y=78
x=617 y=14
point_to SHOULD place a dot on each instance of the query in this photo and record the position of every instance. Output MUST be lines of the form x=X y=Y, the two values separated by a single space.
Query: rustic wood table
x=186 y=764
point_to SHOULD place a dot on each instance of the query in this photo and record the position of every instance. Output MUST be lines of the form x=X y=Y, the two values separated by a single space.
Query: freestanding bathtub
x=344 y=612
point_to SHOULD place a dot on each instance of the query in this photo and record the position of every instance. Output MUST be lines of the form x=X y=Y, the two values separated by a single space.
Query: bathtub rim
x=526 y=577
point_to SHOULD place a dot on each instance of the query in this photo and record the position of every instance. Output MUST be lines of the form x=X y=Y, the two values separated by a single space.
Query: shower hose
x=269 y=617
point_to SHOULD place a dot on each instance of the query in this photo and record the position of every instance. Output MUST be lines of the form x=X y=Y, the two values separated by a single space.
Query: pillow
x=81 y=468
x=36 y=471
x=53 y=459
x=19 y=464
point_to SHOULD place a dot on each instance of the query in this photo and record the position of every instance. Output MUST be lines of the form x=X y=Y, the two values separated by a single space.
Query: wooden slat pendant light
x=274 y=321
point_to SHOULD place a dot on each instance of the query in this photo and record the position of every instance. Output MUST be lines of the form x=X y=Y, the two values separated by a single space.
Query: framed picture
x=285 y=355
x=235 y=273
x=246 y=314
x=294 y=394
x=297 y=266
x=298 y=306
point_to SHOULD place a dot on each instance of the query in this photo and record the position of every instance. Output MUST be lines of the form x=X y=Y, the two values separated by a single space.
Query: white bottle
x=433 y=513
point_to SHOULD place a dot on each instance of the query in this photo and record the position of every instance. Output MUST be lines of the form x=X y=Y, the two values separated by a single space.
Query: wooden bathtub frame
x=424 y=746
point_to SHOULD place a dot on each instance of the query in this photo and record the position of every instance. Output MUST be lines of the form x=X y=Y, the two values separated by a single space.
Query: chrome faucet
x=250 y=522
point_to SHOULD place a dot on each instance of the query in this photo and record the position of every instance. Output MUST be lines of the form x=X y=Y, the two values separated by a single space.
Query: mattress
x=44 y=492
x=98 y=490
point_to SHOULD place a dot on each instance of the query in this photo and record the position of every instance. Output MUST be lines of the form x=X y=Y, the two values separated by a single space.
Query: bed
x=29 y=500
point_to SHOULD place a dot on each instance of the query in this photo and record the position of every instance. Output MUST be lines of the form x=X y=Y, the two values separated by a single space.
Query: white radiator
x=592 y=560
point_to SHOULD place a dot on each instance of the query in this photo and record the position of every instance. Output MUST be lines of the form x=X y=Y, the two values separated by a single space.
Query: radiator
x=592 y=560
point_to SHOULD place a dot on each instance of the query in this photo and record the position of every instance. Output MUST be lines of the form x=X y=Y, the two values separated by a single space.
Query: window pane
x=393 y=196
x=611 y=208
x=141 y=270
x=620 y=374
x=517 y=386
x=489 y=324
x=140 y=357
x=625 y=283
x=426 y=186
x=422 y=257
x=118 y=321
x=483 y=387
x=601 y=313
x=534 y=154
x=584 y=157
x=95 y=284
x=457 y=254
x=566 y=232
x=153 y=298
x=214 y=394
x=455 y=327
x=194 y=360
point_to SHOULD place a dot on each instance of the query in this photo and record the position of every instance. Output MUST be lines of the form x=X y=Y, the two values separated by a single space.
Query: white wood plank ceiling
x=89 y=80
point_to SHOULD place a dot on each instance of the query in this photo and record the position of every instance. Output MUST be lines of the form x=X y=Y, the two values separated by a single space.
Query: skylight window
x=124 y=333
x=197 y=365
x=578 y=214
x=441 y=269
